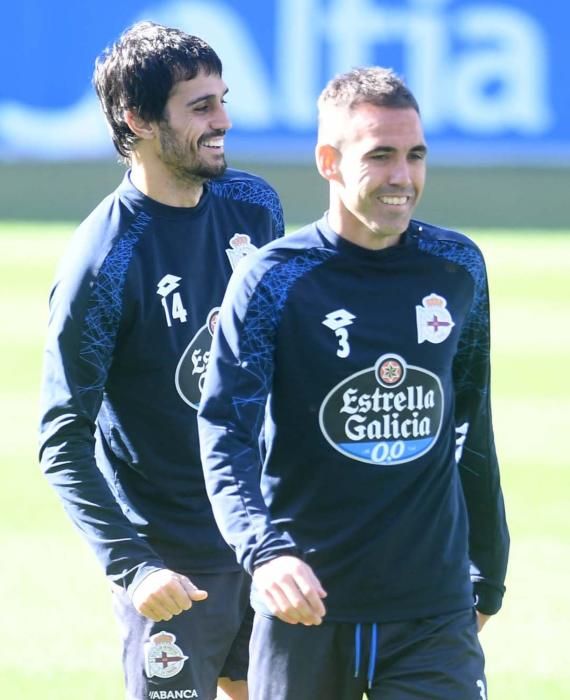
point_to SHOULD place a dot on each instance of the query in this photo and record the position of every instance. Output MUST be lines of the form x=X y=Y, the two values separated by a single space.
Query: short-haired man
x=132 y=314
x=361 y=342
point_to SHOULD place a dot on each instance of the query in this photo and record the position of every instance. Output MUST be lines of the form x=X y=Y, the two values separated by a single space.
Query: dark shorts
x=187 y=654
x=437 y=658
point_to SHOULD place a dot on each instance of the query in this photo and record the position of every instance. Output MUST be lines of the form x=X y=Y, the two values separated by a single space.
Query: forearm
x=67 y=459
x=231 y=472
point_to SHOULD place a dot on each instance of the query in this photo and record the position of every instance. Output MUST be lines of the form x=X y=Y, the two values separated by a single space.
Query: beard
x=184 y=164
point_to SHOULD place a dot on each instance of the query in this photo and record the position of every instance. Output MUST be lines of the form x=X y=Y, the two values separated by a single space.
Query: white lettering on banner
x=515 y=65
x=299 y=70
x=479 y=68
x=496 y=80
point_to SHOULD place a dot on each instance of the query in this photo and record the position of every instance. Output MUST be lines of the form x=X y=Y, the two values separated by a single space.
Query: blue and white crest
x=433 y=319
x=240 y=246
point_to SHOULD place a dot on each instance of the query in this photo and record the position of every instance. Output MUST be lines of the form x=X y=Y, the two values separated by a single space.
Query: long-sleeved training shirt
x=132 y=314
x=370 y=372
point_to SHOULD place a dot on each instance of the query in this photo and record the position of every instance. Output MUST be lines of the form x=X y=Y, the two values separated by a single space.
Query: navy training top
x=370 y=370
x=132 y=314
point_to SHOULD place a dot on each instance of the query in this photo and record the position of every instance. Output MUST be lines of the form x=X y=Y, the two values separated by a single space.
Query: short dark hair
x=139 y=71
x=373 y=85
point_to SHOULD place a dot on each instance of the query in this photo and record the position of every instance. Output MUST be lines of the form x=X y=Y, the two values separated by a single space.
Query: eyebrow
x=420 y=148
x=202 y=98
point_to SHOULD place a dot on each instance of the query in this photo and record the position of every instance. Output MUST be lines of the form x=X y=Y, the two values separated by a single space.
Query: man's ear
x=139 y=126
x=328 y=158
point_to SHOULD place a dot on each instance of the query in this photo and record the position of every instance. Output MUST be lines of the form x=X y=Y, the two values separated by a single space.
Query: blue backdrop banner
x=490 y=76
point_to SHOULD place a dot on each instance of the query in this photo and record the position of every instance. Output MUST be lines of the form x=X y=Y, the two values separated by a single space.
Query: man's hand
x=291 y=590
x=164 y=593
x=481 y=620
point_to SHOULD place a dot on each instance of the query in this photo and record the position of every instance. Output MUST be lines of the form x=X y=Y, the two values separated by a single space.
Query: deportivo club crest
x=190 y=373
x=163 y=658
x=385 y=415
x=433 y=319
x=240 y=246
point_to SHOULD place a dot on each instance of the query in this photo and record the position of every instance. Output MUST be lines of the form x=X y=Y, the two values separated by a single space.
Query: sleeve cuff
x=488 y=599
x=142 y=572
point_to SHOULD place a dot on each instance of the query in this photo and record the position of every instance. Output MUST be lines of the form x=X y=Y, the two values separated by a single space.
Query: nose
x=221 y=119
x=400 y=172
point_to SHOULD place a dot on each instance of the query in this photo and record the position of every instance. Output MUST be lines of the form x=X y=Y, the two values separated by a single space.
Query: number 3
x=344 y=347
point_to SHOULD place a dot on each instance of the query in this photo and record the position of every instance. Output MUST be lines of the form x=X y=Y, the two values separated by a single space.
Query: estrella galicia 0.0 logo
x=387 y=414
x=190 y=373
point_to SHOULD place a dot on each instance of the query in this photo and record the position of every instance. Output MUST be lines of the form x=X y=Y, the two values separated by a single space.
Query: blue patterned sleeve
x=476 y=454
x=475 y=445
x=85 y=313
x=253 y=190
x=232 y=410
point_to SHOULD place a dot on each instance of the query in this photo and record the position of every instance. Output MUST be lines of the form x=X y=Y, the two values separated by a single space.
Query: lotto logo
x=171 y=302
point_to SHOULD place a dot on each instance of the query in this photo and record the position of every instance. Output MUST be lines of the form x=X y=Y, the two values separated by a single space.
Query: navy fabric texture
x=436 y=658
x=370 y=373
x=132 y=313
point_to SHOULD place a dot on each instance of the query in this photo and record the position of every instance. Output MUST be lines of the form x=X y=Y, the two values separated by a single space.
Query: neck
x=348 y=226
x=157 y=182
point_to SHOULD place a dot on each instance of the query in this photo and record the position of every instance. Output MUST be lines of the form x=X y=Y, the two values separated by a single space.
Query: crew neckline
x=130 y=193
x=347 y=247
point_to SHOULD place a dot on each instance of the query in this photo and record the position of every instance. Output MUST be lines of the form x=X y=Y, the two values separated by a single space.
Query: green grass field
x=60 y=640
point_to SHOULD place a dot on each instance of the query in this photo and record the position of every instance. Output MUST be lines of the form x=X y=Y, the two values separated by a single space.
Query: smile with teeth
x=394 y=200
x=214 y=143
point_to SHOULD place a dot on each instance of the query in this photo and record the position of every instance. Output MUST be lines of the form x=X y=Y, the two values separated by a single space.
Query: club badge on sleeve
x=433 y=319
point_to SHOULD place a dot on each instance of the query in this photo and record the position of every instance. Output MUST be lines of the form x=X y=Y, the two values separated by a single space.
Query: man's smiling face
x=382 y=168
x=191 y=135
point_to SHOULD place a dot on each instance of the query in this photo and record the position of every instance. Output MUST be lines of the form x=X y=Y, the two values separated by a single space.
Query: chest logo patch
x=240 y=247
x=338 y=321
x=433 y=319
x=191 y=370
x=388 y=414
x=171 y=300
x=163 y=658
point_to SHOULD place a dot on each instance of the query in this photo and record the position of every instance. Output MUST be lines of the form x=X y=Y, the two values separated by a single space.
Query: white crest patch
x=162 y=657
x=433 y=319
x=240 y=246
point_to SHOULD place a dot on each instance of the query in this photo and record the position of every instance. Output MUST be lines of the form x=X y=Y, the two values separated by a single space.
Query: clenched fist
x=164 y=593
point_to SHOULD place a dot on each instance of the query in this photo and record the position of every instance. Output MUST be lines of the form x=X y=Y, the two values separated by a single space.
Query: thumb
x=194 y=593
